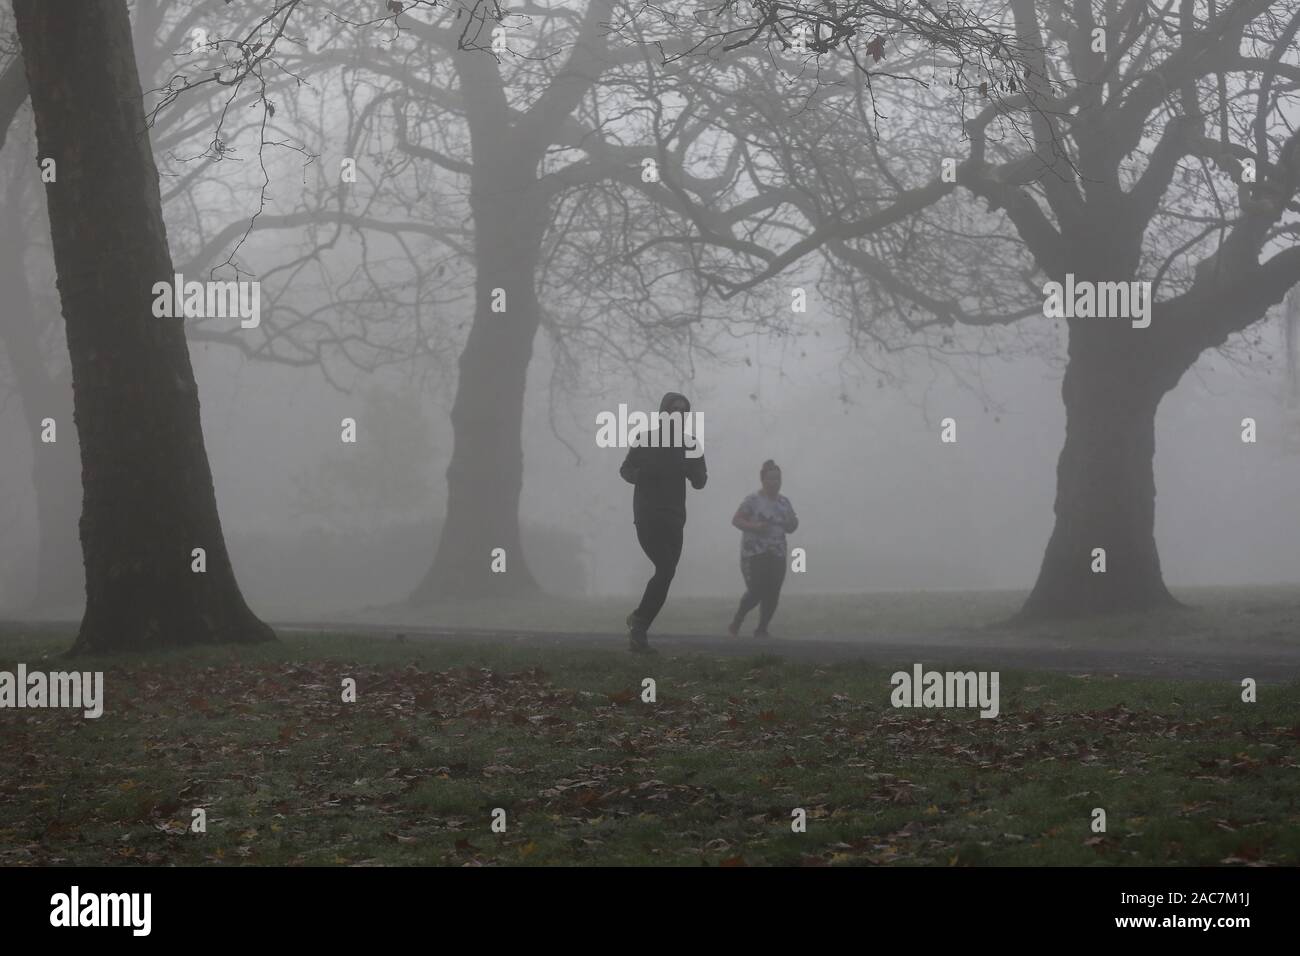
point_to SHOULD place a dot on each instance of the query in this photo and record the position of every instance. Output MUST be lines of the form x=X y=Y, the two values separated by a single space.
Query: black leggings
x=764 y=574
x=662 y=543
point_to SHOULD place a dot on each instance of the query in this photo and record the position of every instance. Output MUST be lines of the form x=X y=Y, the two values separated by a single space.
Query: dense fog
x=316 y=525
x=884 y=505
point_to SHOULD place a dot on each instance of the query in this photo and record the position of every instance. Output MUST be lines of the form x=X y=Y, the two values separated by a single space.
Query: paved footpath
x=1266 y=663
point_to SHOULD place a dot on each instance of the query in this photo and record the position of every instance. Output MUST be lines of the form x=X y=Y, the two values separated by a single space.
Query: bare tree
x=538 y=113
x=148 y=494
x=1125 y=145
x=30 y=331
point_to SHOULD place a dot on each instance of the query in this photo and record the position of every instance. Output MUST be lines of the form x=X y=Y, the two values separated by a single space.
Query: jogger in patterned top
x=764 y=518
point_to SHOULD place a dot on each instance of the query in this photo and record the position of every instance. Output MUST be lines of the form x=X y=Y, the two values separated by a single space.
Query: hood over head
x=668 y=399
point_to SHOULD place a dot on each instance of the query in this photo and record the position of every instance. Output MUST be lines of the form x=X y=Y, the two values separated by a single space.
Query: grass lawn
x=441 y=734
x=1213 y=618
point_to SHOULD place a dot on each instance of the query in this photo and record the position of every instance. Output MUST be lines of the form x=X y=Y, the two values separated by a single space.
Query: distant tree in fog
x=1126 y=145
x=542 y=115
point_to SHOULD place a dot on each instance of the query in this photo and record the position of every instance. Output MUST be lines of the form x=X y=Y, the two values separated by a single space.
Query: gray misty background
x=883 y=504
x=316 y=526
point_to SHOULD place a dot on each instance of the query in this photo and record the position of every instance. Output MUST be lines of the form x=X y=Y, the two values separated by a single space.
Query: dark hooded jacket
x=660 y=475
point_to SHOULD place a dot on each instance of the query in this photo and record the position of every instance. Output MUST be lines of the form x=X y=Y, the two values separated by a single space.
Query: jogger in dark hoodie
x=659 y=509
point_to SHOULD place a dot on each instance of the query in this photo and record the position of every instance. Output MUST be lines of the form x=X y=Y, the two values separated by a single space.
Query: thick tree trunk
x=485 y=475
x=148 y=495
x=1105 y=480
